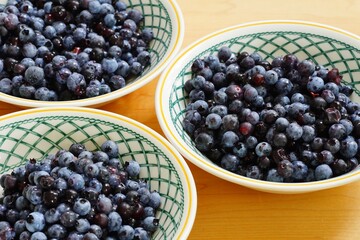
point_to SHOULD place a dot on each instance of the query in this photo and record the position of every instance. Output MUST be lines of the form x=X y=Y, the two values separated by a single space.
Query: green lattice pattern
x=320 y=49
x=35 y=138
x=158 y=19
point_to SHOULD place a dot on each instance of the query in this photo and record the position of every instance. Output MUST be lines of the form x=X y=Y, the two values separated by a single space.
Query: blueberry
x=230 y=162
x=136 y=68
x=348 y=149
x=229 y=139
x=283 y=86
x=337 y=131
x=109 y=65
x=281 y=124
x=76 y=83
x=33 y=75
x=104 y=204
x=151 y=224
x=19 y=226
x=332 y=87
x=221 y=110
x=126 y=232
x=94 y=7
x=115 y=222
x=250 y=94
x=300 y=170
x=75 y=236
x=116 y=82
x=110 y=148
x=213 y=121
x=247 y=62
x=132 y=168
x=294 y=131
x=308 y=133
x=76 y=181
x=325 y=156
x=91 y=170
x=141 y=234
x=35 y=222
x=79 y=34
x=34 y=195
x=323 y=172
x=82 y=206
x=273 y=176
x=253 y=172
x=68 y=219
x=52 y=215
x=204 y=141
x=122 y=69
x=280 y=140
x=306 y=68
x=26 y=235
x=82 y=225
x=6 y=86
x=56 y=231
x=240 y=150
x=285 y=168
x=38 y=236
x=315 y=84
x=44 y=94
x=263 y=149
x=271 y=77
x=224 y=53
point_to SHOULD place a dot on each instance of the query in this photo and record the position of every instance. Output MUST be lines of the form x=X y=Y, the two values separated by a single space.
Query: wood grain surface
x=229 y=211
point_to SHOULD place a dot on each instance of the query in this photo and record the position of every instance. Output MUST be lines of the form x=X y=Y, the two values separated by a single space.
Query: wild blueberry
x=325 y=156
x=306 y=68
x=33 y=75
x=348 y=149
x=56 y=231
x=283 y=86
x=273 y=176
x=308 y=133
x=126 y=232
x=38 y=236
x=68 y=219
x=229 y=139
x=110 y=148
x=294 y=131
x=253 y=172
x=323 y=172
x=263 y=149
x=337 y=131
x=35 y=222
x=230 y=162
x=315 y=84
x=76 y=181
x=44 y=94
x=213 y=121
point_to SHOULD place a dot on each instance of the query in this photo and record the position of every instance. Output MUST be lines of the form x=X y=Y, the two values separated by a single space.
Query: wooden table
x=229 y=211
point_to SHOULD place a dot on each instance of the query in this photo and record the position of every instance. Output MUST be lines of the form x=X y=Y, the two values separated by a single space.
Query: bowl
x=325 y=45
x=37 y=132
x=165 y=18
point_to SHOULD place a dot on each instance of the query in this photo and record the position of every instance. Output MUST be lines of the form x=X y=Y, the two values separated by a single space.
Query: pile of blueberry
x=284 y=121
x=78 y=194
x=70 y=49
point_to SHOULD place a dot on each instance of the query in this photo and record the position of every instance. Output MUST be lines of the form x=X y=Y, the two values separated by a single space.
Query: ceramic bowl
x=38 y=132
x=165 y=18
x=325 y=45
